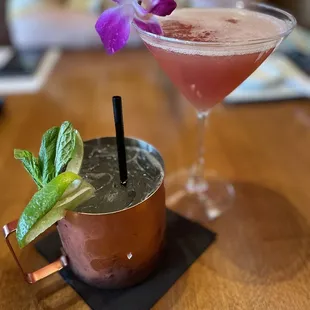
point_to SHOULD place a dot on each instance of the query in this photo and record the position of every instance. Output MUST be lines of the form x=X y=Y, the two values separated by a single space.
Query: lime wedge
x=75 y=163
x=47 y=206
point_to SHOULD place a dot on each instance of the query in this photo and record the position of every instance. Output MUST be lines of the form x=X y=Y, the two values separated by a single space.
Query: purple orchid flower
x=113 y=26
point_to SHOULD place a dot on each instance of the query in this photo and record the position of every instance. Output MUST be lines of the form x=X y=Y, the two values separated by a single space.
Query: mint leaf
x=31 y=164
x=65 y=147
x=47 y=154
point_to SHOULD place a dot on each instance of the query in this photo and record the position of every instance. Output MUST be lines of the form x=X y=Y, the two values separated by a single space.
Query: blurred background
x=20 y=19
x=33 y=33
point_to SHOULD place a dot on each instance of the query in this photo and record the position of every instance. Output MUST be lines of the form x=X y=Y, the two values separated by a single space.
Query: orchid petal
x=113 y=27
x=151 y=25
x=162 y=7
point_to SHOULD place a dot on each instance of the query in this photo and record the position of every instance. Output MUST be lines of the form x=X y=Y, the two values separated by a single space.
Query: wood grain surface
x=261 y=259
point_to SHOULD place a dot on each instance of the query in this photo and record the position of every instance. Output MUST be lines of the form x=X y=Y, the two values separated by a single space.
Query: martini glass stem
x=197 y=182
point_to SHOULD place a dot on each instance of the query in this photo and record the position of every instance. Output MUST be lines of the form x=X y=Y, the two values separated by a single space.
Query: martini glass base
x=198 y=199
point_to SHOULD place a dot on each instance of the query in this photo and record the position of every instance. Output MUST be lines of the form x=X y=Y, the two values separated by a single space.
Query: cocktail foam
x=218 y=32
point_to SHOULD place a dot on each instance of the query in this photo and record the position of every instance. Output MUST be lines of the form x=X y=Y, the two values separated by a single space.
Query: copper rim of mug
x=159 y=159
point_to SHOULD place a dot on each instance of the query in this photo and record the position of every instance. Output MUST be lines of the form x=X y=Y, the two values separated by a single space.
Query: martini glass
x=207 y=53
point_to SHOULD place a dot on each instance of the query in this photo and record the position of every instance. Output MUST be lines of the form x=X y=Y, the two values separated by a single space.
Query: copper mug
x=110 y=250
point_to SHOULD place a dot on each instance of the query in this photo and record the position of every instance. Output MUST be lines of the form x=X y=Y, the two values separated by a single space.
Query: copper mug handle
x=37 y=275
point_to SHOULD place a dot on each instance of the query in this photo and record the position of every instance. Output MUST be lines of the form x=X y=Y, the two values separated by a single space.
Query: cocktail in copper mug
x=105 y=246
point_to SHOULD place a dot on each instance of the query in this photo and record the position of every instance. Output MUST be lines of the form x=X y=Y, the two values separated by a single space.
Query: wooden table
x=261 y=259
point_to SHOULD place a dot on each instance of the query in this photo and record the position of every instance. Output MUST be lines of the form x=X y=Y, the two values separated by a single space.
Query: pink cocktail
x=206 y=75
x=207 y=53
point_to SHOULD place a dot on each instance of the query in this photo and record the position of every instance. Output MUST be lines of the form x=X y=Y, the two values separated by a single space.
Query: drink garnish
x=113 y=25
x=59 y=146
x=48 y=205
x=55 y=172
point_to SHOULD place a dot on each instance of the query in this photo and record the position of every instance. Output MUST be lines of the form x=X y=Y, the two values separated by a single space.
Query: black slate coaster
x=185 y=242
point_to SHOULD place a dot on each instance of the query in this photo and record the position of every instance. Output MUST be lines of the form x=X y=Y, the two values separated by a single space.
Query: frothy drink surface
x=220 y=25
x=207 y=73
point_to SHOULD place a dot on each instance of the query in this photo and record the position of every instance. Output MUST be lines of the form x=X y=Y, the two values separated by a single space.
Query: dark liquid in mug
x=100 y=168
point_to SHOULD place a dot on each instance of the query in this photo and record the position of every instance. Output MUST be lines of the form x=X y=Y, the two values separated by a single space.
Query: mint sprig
x=31 y=164
x=55 y=172
x=64 y=147
x=56 y=151
x=47 y=154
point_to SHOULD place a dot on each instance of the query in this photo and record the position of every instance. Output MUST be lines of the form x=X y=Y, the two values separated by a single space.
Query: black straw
x=120 y=138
